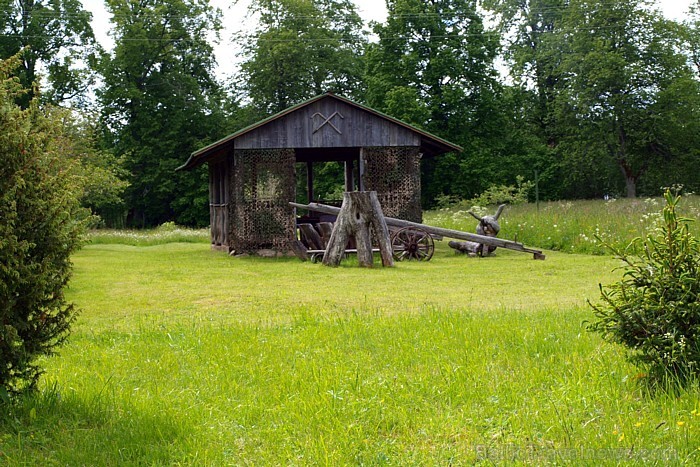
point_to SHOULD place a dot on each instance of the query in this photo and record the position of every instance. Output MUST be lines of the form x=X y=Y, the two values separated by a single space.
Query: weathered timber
x=326 y=229
x=360 y=212
x=469 y=248
x=313 y=239
x=459 y=235
x=300 y=250
x=488 y=226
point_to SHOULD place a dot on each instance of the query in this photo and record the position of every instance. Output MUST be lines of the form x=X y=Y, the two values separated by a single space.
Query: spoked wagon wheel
x=412 y=243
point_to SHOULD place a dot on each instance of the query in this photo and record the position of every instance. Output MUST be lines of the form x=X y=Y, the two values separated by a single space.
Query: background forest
x=588 y=98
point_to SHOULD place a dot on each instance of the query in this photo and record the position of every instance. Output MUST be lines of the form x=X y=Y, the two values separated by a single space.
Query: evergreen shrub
x=40 y=227
x=654 y=310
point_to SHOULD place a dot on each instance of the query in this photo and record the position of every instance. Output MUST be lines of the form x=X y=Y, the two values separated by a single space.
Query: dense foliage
x=60 y=45
x=589 y=99
x=160 y=102
x=655 y=309
x=39 y=230
x=301 y=49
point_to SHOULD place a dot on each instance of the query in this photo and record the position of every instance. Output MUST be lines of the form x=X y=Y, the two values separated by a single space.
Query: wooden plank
x=493 y=241
x=325 y=229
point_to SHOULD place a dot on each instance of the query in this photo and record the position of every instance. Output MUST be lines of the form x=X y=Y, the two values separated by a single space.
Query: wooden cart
x=414 y=241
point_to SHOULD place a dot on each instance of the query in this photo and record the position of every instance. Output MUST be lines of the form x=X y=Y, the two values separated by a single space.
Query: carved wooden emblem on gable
x=328 y=121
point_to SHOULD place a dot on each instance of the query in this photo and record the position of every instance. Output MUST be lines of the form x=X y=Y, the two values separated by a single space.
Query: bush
x=494 y=195
x=38 y=232
x=655 y=309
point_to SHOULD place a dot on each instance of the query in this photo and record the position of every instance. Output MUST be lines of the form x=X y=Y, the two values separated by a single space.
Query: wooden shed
x=252 y=176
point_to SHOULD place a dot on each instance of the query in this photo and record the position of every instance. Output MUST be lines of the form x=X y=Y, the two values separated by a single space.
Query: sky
x=370 y=10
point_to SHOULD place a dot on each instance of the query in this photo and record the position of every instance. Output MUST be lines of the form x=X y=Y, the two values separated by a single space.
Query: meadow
x=186 y=356
x=572 y=226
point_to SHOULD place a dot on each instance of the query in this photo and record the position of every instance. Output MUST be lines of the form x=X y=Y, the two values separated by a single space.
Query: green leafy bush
x=494 y=195
x=39 y=229
x=502 y=194
x=655 y=309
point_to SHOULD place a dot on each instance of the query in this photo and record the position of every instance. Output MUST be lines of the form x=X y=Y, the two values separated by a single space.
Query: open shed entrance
x=324 y=174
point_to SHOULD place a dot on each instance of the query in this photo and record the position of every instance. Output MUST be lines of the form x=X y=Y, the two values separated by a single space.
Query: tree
x=691 y=32
x=160 y=102
x=654 y=310
x=100 y=174
x=300 y=49
x=620 y=64
x=58 y=40
x=40 y=226
x=433 y=67
x=530 y=29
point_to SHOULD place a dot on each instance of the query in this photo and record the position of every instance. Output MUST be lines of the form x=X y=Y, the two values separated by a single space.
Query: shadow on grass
x=62 y=428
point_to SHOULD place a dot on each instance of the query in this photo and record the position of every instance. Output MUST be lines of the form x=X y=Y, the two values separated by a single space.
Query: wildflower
x=680 y=423
x=622 y=436
x=638 y=424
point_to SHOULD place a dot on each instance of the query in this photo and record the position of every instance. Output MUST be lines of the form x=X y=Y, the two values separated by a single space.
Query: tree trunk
x=630 y=179
x=359 y=212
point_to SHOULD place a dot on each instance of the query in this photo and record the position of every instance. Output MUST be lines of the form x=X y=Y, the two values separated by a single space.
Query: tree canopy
x=58 y=41
x=160 y=101
x=592 y=98
x=300 y=49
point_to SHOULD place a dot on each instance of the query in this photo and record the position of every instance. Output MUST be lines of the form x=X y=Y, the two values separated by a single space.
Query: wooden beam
x=310 y=181
x=349 y=176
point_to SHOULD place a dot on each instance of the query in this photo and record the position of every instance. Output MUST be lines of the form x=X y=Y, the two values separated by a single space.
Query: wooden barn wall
x=328 y=123
x=394 y=173
x=262 y=185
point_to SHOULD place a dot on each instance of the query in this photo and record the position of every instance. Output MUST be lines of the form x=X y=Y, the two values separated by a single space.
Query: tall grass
x=165 y=233
x=572 y=226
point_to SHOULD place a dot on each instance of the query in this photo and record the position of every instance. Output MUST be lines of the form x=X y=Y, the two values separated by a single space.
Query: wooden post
x=359 y=212
x=310 y=181
x=349 y=178
x=361 y=170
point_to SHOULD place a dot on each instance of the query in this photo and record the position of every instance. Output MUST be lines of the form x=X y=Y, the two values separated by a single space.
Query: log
x=360 y=212
x=326 y=229
x=300 y=250
x=449 y=233
x=470 y=248
x=311 y=236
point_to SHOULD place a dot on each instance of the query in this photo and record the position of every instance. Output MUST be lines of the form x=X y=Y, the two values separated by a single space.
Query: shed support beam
x=310 y=181
x=349 y=176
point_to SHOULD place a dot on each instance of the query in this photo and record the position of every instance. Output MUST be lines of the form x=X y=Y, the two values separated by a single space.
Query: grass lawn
x=187 y=356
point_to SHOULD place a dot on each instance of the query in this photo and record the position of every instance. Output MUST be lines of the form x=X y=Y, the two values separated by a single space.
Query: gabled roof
x=430 y=144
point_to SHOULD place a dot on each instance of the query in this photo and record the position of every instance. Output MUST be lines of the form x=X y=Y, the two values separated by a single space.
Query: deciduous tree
x=433 y=67
x=620 y=69
x=301 y=48
x=160 y=102
x=59 y=44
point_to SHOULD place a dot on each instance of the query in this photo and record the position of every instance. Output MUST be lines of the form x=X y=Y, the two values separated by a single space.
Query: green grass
x=187 y=356
x=571 y=226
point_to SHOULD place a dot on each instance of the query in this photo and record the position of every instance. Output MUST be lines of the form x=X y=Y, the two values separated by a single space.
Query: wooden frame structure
x=252 y=172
